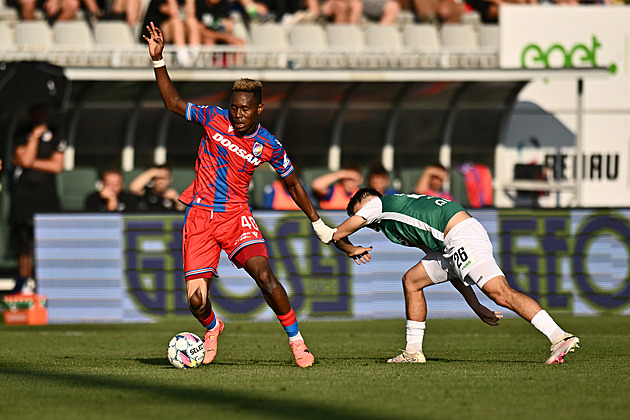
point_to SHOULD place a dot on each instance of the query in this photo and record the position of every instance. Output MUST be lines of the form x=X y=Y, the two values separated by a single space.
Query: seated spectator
x=179 y=25
x=334 y=189
x=54 y=10
x=280 y=10
x=489 y=9
x=129 y=11
x=384 y=12
x=277 y=197
x=378 y=178
x=110 y=196
x=342 y=11
x=431 y=182
x=434 y=11
x=215 y=24
x=152 y=188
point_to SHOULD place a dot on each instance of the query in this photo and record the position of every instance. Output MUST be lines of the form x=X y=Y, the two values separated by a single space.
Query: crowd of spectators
x=208 y=22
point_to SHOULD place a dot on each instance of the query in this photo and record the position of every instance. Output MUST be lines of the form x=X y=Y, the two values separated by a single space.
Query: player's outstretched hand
x=155 y=41
x=360 y=254
x=488 y=316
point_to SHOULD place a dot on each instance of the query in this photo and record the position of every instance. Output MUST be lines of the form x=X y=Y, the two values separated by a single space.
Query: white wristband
x=324 y=233
x=158 y=63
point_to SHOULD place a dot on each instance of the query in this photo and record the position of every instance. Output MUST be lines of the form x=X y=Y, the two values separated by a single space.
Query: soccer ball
x=186 y=351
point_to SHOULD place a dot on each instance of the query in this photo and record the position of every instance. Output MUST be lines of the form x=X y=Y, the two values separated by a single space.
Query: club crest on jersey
x=257 y=150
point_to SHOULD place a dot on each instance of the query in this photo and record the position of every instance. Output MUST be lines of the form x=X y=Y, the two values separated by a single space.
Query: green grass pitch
x=473 y=371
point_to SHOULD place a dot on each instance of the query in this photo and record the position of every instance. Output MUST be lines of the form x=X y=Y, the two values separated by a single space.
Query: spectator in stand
x=489 y=9
x=435 y=11
x=38 y=157
x=215 y=24
x=277 y=196
x=129 y=11
x=334 y=189
x=153 y=190
x=338 y=11
x=290 y=11
x=378 y=178
x=54 y=10
x=384 y=12
x=179 y=24
x=431 y=182
x=110 y=196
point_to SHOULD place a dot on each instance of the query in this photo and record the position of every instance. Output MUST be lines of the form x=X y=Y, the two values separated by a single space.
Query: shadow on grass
x=243 y=402
x=162 y=361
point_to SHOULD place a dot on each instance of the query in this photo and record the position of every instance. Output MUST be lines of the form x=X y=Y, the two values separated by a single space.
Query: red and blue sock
x=290 y=325
x=210 y=322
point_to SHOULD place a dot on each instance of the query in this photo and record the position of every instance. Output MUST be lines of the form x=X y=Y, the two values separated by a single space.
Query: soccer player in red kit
x=218 y=217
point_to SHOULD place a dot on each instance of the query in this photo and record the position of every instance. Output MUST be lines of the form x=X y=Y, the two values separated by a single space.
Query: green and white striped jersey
x=411 y=219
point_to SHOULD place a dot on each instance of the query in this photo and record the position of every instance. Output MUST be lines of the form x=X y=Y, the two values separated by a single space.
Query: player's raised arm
x=171 y=98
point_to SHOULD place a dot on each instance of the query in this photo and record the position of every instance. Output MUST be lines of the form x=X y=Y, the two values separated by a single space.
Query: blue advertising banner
x=128 y=268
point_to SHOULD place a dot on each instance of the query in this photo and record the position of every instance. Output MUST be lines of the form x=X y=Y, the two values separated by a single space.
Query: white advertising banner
x=128 y=268
x=570 y=37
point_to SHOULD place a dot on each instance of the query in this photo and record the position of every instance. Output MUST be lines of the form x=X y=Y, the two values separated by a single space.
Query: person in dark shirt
x=154 y=192
x=111 y=196
x=38 y=157
x=215 y=24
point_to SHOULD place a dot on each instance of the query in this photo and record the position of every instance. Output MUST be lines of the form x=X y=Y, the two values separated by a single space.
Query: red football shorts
x=206 y=233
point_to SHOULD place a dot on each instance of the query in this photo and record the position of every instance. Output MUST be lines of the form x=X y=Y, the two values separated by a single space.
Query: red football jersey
x=226 y=161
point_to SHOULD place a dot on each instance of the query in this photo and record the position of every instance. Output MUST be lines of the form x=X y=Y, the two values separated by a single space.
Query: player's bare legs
x=502 y=294
x=201 y=308
x=276 y=297
x=414 y=281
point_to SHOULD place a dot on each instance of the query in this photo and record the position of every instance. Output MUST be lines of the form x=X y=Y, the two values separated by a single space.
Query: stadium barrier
x=128 y=268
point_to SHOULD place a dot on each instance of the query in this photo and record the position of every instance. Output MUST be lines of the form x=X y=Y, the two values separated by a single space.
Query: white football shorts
x=467 y=256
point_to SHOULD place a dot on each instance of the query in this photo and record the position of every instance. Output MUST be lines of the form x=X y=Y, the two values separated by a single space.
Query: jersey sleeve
x=372 y=211
x=201 y=114
x=280 y=160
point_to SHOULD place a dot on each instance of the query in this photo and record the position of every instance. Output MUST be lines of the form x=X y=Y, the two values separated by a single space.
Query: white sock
x=546 y=325
x=415 y=335
x=296 y=337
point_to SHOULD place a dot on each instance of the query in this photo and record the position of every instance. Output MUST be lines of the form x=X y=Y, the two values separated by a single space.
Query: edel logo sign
x=557 y=55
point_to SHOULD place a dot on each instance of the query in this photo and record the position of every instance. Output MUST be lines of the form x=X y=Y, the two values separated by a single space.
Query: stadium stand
x=182 y=177
x=7 y=13
x=75 y=185
x=7 y=37
x=460 y=41
x=423 y=44
x=346 y=44
x=271 y=44
x=383 y=45
x=74 y=33
x=408 y=178
x=33 y=35
x=489 y=36
x=459 y=37
x=421 y=36
x=309 y=45
x=262 y=176
x=107 y=44
x=113 y=33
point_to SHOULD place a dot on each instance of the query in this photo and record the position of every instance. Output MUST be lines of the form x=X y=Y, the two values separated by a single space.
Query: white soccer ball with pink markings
x=186 y=351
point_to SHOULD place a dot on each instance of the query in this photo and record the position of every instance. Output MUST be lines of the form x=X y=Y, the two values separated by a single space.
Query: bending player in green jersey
x=457 y=249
